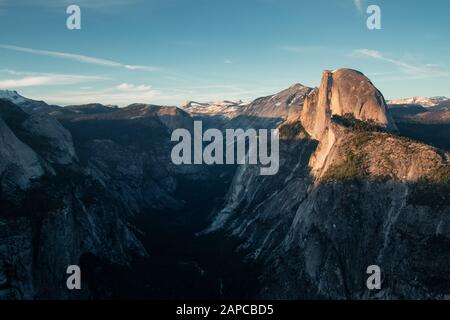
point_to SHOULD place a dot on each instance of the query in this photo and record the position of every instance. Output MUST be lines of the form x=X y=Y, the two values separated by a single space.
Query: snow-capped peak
x=423 y=101
x=224 y=108
x=12 y=96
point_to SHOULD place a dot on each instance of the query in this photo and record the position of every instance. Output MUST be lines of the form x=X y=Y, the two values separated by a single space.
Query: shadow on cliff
x=181 y=265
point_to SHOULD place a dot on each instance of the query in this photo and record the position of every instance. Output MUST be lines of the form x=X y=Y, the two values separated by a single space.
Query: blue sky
x=169 y=51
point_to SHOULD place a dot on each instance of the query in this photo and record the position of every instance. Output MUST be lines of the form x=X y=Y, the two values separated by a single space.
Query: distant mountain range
x=425 y=119
x=421 y=101
x=223 y=108
x=361 y=182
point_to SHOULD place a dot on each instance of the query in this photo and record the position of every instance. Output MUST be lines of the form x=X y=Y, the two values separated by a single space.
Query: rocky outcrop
x=52 y=213
x=264 y=112
x=270 y=111
x=41 y=132
x=349 y=194
x=42 y=235
x=19 y=163
x=341 y=92
x=59 y=147
x=284 y=105
x=174 y=118
x=29 y=105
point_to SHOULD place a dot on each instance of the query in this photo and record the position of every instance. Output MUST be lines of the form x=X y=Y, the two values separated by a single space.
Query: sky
x=169 y=51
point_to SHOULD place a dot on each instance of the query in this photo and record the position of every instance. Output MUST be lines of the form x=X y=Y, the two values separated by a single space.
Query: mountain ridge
x=348 y=194
x=351 y=192
x=419 y=100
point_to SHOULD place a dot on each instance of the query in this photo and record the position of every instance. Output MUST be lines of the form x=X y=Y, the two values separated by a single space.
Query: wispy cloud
x=413 y=71
x=126 y=87
x=228 y=61
x=122 y=94
x=80 y=58
x=126 y=93
x=30 y=79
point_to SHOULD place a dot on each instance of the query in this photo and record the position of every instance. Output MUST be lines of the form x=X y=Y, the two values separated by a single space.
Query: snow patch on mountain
x=221 y=108
x=422 y=101
x=12 y=96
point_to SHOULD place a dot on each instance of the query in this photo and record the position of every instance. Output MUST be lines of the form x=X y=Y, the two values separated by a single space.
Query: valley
x=360 y=182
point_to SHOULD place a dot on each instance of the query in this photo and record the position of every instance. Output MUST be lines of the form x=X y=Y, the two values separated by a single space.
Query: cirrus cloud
x=121 y=94
x=412 y=70
x=45 y=79
x=79 y=58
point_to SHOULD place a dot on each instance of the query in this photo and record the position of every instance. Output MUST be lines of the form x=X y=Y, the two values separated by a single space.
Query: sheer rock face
x=341 y=92
x=284 y=105
x=19 y=163
x=60 y=149
x=36 y=250
x=316 y=234
x=52 y=212
x=345 y=198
